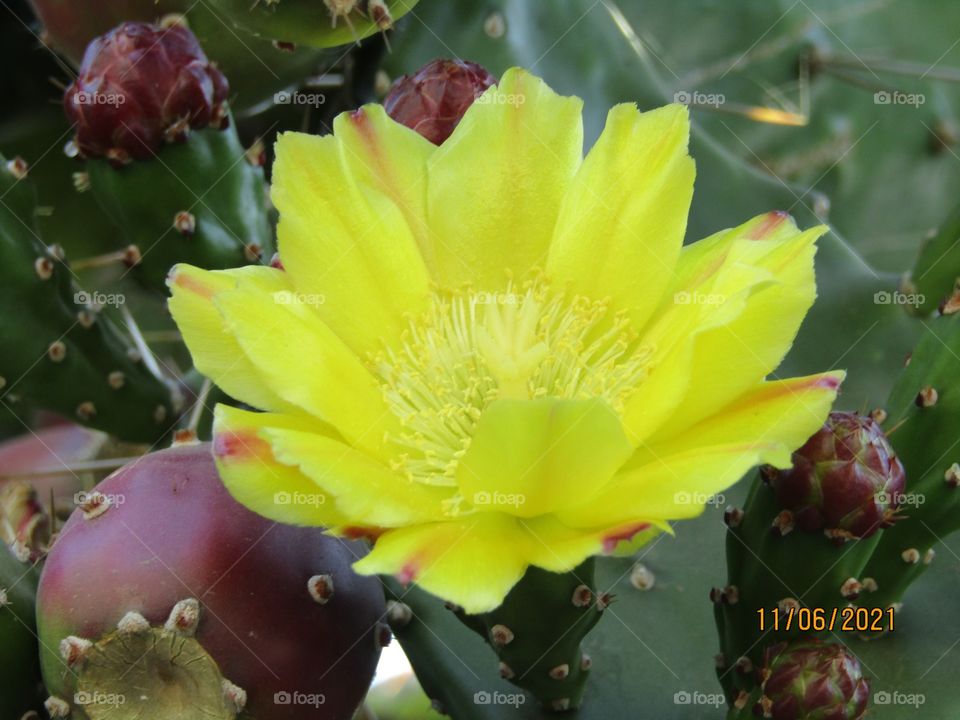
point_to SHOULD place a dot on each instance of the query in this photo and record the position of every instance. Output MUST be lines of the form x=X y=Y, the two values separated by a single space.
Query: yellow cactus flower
x=497 y=353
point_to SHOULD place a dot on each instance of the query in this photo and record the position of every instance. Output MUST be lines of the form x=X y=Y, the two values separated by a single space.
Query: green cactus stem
x=61 y=353
x=20 y=682
x=936 y=272
x=923 y=414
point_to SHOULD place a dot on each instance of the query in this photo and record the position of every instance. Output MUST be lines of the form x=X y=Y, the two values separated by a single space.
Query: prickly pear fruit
x=199 y=201
x=812 y=680
x=317 y=23
x=60 y=352
x=163 y=564
x=845 y=480
x=20 y=682
x=140 y=86
x=432 y=100
x=257 y=68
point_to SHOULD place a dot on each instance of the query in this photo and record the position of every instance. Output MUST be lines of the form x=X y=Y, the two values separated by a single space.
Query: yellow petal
x=473 y=561
x=622 y=221
x=674 y=479
x=365 y=491
x=496 y=184
x=529 y=457
x=304 y=362
x=717 y=280
x=392 y=159
x=257 y=480
x=346 y=244
x=559 y=548
x=215 y=351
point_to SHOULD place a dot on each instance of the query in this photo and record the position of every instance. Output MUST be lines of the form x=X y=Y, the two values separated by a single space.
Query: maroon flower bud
x=434 y=99
x=812 y=680
x=141 y=85
x=846 y=479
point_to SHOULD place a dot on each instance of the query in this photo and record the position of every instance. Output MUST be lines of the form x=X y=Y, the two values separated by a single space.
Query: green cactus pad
x=20 y=680
x=61 y=354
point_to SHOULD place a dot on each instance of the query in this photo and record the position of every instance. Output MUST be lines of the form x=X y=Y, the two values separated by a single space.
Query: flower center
x=472 y=348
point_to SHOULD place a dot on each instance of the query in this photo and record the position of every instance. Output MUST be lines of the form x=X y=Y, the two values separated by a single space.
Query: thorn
x=86 y=411
x=43 y=267
x=184 y=618
x=257 y=153
x=235 y=696
x=950 y=305
x=586 y=662
x=582 y=596
x=133 y=623
x=851 y=588
x=253 y=251
x=928 y=556
x=641 y=577
x=116 y=379
x=275 y=262
x=94 y=504
x=506 y=672
x=452 y=607
x=911 y=556
x=560 y=704
x=879 y=415
x=927 y=397
x=320 y=588
x=495 y=26
x=81 y=181
x=57 y=351
x=731 y=595
x=768 y=473
x=284 y=46
x=716 y=595
x=560 y=672
x=741 y=700
x=159 y=413
x=173 y=20
x=131 y=256
x=788 y=605
x=118 y=157
x=399 y=614
x=71 y=149
x=185 y=223
x=4 y=599
x=783 y=523
x=18 y=167
x=869 y=584
x=74 y=649
x=744 y=666
x=184 y=436
x=604 y=600
x=733 y=516
x=56 y=707
x=501 y=635
x=952 y=475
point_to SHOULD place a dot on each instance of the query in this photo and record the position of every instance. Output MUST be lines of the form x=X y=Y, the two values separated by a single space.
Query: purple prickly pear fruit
x=433 y=100
x=162 y=589
x=140 y=86
x=846 y=479
x=812 y=680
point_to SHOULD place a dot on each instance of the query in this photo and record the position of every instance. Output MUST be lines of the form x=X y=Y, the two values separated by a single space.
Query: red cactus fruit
x=845 y=480
x=812 y=680
x=141 y=85
x=433 y=100
x=169 y=594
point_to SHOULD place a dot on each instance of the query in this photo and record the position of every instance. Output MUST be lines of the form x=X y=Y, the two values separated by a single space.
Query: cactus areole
x=141 y=86
x=811 y=680
x=845 y=480
x=432 y=100
x=176 y=601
